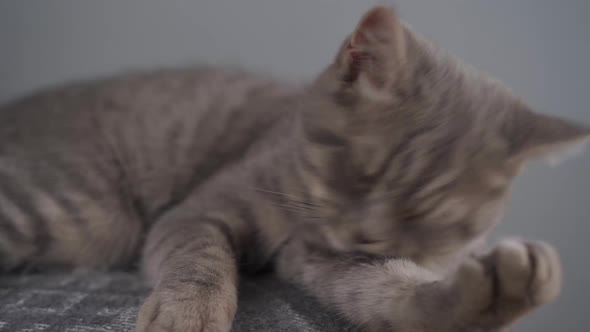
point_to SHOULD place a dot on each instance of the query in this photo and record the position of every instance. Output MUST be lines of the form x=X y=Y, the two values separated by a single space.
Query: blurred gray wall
x=541 y=48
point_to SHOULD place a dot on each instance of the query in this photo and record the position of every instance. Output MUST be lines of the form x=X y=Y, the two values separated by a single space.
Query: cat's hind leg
x=67 y=229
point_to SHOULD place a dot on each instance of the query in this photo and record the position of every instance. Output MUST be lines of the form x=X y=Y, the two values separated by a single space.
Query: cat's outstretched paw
x=515 y=277
x=183 y=310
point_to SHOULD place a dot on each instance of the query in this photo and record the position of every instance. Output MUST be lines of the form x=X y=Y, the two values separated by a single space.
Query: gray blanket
x=109 y=303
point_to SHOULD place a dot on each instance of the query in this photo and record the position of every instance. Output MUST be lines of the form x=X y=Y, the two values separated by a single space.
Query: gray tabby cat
x=371 y=188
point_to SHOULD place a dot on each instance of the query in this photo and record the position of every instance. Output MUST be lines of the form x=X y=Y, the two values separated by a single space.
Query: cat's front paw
x=514 y=278
x=185 y=309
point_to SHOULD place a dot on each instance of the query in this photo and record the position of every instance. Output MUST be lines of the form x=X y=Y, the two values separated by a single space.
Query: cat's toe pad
x=515 y=277
x=527 y=271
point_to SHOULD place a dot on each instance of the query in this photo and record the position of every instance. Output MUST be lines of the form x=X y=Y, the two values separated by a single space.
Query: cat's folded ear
x=533 y=135
x=374 y=55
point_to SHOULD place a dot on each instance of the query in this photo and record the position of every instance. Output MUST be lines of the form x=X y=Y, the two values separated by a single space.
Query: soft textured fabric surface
x=109 y=302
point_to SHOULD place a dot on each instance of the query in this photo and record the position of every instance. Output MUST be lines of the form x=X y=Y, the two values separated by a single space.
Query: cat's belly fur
x=85 y=168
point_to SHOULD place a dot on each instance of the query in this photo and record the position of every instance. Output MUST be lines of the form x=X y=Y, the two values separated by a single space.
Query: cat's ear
x=374 y=55
x=534 y=135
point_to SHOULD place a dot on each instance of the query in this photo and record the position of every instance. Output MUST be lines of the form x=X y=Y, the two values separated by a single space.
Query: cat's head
x=415 y=148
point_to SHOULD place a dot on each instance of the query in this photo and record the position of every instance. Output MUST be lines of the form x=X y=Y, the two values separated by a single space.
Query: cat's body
x=118 y=153
x=368 y=187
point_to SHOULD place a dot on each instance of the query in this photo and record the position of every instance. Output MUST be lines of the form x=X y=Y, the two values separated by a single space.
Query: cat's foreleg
x=376 y=294
x=192 y=264
x=485 y=294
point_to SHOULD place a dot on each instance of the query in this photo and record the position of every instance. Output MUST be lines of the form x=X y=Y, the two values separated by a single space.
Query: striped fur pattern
x=372 y=187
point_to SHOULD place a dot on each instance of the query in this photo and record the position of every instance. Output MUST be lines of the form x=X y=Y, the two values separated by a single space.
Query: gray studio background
x=541 y=48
